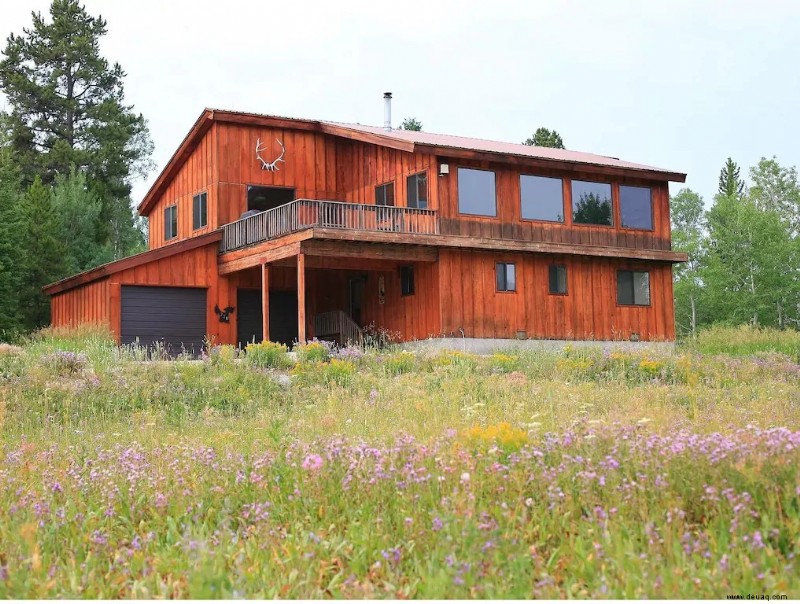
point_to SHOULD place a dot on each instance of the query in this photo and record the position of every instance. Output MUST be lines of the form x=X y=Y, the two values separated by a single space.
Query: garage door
x=172 y=317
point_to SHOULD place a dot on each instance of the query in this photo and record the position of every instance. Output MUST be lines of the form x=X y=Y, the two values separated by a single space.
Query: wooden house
x=264 y=226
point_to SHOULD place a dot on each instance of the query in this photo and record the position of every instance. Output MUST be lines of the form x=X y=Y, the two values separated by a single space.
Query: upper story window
x=417 y=191
x=506 y=274
x=476 y=192
x=558 y=279
x=591 y=203
x=636 y=207
x=542 y=198
x=199 y=211
x=262 y=199
x=406 y=280
x=633 y=288
x=384 y=194
x=170 y=222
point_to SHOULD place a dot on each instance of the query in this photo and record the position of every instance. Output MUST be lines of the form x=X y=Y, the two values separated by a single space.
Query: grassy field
x=579 y=474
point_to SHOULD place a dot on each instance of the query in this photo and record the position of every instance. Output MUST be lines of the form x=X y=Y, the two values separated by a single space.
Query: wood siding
x=589 y=310
x=86 y=305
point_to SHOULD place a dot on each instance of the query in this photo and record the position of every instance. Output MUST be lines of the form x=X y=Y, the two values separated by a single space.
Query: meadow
x=585 y=473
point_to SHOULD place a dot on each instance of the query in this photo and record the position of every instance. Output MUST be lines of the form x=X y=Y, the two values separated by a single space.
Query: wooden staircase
x=339 y=325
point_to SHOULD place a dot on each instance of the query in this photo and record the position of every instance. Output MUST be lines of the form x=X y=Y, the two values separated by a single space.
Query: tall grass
x=745 y=340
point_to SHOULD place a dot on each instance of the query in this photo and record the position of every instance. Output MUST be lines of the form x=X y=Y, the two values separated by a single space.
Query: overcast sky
x=679 y=84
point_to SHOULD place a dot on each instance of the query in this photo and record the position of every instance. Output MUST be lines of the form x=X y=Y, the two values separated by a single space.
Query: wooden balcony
x=310 y=213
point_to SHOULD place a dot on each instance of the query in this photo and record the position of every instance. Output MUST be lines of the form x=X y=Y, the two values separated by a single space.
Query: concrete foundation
x=491 y=345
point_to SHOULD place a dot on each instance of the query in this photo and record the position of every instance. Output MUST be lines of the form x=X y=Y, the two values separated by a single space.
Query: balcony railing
x=307 y=213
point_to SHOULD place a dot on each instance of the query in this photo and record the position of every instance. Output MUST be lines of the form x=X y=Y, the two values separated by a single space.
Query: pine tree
x=730 y=184
x=411 y=123
x=78 y=210
x=67 y=108
x=545 y=138
x=44 y=256
x=10 y=257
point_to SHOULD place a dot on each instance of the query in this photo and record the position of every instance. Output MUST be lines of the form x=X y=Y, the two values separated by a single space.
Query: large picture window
x=476 y=192
x=633 y=288
x=591 y=203
x=417 y=191
x=170 y=222
x=541 y=198
x=636 y=207
x=200 y=211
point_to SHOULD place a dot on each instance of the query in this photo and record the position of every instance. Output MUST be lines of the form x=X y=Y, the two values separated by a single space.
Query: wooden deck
x=304 y=214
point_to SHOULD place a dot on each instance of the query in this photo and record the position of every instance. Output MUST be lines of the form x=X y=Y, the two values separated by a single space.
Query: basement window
x=170 y=222
x=506 y=274
x=417 y=191
x=558 y=279
x=384 y=194
x=633 y=288
x=200 y=211
x=406 y=280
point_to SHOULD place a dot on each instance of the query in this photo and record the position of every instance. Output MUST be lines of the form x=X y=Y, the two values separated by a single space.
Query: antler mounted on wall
x=271 y=166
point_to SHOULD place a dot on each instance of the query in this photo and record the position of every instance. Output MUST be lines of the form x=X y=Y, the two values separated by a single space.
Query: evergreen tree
x=411 y=123
x=67 y=108
x=78 y=210
x=686 y=211
x=730 y=185
x=591 y=209
x=44 y=256
x=545 y=138
x=10 y=319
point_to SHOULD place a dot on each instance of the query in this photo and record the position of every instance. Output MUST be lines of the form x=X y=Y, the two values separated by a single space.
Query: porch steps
x=337 y=323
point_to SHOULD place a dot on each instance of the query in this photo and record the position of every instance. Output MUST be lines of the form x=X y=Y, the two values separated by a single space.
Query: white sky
x=679 y=84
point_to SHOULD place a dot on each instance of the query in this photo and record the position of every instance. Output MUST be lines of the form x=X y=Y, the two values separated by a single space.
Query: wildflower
x=313 y=463
x=465 y=477
x=56 y=488
x=529 y=502
x=437 y=524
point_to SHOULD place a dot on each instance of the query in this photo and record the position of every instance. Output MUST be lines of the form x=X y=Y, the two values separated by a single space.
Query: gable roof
x=409 y=141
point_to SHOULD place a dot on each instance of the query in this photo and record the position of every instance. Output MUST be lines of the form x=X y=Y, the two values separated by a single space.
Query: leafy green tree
x=411 y=123
x=67 y=108
x=545 y=138
x=745 y=273
x=591 y=209
x=44 y=256
x=776 y=188
x=730 y=184
x=687 y=213
x=10 y=257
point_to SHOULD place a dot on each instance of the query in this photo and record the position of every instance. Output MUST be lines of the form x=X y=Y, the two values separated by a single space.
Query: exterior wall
x=197 y=175
x=87 y=305
x=509 y=224
x=469 y=299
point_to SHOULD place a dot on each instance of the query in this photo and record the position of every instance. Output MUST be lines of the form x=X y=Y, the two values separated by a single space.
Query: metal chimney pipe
x=387 y=110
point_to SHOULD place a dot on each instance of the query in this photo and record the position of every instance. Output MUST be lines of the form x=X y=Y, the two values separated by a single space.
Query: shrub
x=272 y=355
x=315 y=351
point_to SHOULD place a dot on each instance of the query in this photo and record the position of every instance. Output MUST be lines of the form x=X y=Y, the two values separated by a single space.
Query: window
x=506 y=277
x=476 y=192
x=200 y=211
x=406 y=280
x=633 y=288
x=636 y=208
x=542 y=198
x=170 y=222
x=591 y=203
x=384 y=194
x=558 y=279
x=417 y=191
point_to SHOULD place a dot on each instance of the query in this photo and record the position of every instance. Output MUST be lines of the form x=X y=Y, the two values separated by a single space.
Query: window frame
x=611 y=186
x=563 y=220
x=407 y=279
x=652 y=210
x=458 y=193
x=173 y=207
x=550 y=291
x=385 y=186
x=505 y=266
x=203 y=197
x=416 y=176
x=634 y=304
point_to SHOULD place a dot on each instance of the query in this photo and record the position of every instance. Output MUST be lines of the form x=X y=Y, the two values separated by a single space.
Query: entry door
x=357 y=299
x=249 y=327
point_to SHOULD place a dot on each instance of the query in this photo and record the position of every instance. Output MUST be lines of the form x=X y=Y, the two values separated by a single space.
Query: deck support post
x=301 y=298
x=265 y=302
